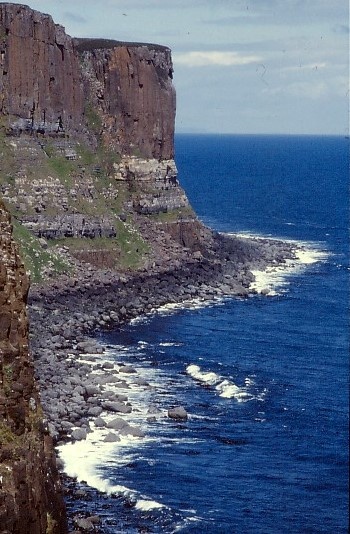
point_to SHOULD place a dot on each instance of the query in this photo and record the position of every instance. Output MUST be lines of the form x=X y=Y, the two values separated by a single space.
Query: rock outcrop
x=89 y=126
x=40 y=85
x=50 y=84
x=130 y=86
x=30 y=493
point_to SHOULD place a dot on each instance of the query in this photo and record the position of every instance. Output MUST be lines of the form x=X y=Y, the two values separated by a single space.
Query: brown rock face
x=30 y=494
x=40 y=85
x=44 y=88
x=130 y=85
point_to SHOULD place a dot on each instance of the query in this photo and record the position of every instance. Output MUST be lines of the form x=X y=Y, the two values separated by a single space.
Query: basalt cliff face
x=87 y=135
x=30 y=493
x=39 y=72
x=130 y=86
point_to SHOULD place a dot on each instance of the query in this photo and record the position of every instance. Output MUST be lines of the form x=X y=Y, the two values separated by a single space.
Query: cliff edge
x=87 y=137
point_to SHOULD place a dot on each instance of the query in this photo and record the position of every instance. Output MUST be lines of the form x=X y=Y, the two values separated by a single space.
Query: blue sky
x=241 y=66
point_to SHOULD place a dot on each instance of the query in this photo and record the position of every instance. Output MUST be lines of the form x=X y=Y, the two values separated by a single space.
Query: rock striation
x=30 y=492
x=40 y=87
x=50 y=83
x=62 y=99
x=130 y=86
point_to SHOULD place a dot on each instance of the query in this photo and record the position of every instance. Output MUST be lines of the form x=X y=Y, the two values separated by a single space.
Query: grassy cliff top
x=87 y=44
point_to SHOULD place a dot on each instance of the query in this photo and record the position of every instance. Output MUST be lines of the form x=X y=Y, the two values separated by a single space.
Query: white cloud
x=223 y=59
x=305 y=90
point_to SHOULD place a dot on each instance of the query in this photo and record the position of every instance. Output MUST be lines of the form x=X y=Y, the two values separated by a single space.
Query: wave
x=225 y=388
x=274 y=279
x=146 y=505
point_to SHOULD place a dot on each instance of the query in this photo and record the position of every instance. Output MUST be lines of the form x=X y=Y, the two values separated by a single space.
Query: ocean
x=264 y=379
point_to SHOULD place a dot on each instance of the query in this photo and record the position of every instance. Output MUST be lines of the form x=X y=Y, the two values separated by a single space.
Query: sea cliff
x=105 y=231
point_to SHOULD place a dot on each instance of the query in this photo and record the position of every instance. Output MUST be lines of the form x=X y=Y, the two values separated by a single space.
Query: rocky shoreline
x=80 y=391
x=65 y=314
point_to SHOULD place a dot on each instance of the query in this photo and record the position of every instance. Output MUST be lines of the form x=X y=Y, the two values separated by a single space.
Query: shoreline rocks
x=80 y=389
x=65 y=314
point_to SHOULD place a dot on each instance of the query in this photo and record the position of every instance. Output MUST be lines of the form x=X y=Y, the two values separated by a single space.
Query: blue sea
x=264 y=379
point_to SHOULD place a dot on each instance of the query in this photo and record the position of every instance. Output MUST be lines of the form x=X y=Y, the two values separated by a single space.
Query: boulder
x=95 y=410
x=79 y=434
x=127 y=369
x=99 y=422
x=117 y=424
x=89 y=347
x=84 y=524
x=117 y=407
x=178 y=413
x=111 y=437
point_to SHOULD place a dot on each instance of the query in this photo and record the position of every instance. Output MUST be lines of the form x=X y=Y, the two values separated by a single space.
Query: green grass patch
x=128 y=246
x=93 y=119
x=7 y=437
x=131 y=245
x=34 y=257
x=63 y=168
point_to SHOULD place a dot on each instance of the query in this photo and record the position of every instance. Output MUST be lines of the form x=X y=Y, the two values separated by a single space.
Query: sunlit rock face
x=40 y=85
x=130 y=85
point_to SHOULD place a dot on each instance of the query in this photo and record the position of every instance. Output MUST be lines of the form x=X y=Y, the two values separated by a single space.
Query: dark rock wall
x=50 y=84
x=39 y=71
x=131 y=87
x=30 y=494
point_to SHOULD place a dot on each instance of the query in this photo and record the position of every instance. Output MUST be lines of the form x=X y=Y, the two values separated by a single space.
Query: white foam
x=146 y=505
x=271 y=281
x=80 y=459
x=309 y=256
x=226 y=388
x=275 y=278
x=206 y=377
x=229 y=390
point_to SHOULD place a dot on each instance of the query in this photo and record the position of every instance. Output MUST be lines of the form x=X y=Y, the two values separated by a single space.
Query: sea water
x=264 y=379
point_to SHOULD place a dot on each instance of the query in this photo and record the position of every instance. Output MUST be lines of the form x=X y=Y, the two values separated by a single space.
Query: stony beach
x=65 y=314
x=81 y=389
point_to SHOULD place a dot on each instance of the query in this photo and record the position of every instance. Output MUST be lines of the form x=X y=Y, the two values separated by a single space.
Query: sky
x=240 y=66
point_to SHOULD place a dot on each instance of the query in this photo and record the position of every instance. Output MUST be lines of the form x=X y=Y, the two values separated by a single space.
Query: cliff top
x=88 y=44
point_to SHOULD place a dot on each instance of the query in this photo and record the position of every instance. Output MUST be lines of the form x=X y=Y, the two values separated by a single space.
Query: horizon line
x=296 y=134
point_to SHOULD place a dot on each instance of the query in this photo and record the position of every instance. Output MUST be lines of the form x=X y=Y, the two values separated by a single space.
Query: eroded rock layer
x=48 y=84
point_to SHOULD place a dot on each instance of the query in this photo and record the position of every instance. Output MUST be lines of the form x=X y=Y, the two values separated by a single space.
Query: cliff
x=39 y=72
x=88 y=175
x=30 y=494
x=87 y=131
x=130 y=86
x=49 y=85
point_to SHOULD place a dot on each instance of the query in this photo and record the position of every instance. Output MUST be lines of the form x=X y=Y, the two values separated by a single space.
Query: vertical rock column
x=40 y=85
x=30 y=494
